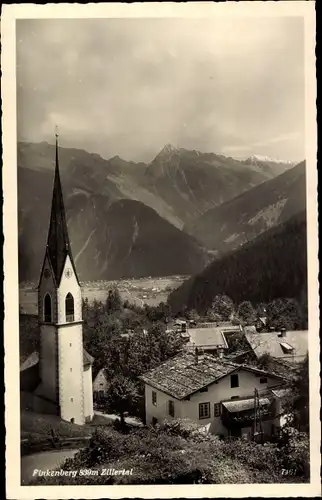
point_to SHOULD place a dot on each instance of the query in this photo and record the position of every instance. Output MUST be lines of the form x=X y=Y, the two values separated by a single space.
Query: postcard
x=160 y=250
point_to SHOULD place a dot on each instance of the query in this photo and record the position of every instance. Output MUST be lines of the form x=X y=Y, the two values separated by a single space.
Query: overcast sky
x=129 y=86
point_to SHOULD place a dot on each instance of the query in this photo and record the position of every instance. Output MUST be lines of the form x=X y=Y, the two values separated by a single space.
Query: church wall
x=71 y=393
x=88 y=393
x=48 y=361
x=69 y=285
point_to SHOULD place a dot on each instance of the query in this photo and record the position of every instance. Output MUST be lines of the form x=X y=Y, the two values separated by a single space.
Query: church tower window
x=47 y=309
x=69 y=307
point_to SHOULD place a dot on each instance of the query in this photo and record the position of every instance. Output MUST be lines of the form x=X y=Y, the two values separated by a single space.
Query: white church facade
x=64 y=366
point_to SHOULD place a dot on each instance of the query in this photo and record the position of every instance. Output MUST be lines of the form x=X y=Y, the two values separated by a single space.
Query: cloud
x=128 y=86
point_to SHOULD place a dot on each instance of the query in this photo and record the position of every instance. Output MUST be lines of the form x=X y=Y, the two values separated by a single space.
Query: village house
x=224 y=396
x=100 y=385
x=289 y=346
x=207 y=337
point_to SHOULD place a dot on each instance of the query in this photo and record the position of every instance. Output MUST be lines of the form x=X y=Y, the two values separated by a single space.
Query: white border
x=12 y=412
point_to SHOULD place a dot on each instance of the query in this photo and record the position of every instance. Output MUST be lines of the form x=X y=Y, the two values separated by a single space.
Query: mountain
x=241 y=219
x=178 y=185
x=192 y=182
x=269 y=165
x=110 y=240
x=273 y=265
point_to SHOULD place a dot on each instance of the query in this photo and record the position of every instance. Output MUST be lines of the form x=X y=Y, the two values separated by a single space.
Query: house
x=212 y=392
x=287 y=346
x=261 y=324
x=100 y=385
x=207 y=338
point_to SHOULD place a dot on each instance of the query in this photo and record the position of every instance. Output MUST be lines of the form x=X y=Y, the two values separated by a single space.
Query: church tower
x=63 y=363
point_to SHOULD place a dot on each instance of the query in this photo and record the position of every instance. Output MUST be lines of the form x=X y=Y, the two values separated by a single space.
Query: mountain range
x=127 y=218
x=253 y=212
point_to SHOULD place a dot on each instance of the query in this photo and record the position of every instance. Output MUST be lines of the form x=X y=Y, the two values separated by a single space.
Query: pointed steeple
x=58 y=245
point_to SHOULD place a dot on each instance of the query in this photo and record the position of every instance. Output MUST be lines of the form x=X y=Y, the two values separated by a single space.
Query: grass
x=36 y=426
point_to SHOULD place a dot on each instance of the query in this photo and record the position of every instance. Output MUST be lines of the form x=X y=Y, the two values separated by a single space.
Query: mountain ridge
x=176 y=189
x=260 y=270
x=241 y=219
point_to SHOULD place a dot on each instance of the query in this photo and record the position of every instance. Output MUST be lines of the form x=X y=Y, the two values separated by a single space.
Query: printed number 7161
x=288 y=472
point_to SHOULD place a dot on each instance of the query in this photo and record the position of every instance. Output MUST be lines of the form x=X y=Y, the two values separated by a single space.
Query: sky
x=127 y=87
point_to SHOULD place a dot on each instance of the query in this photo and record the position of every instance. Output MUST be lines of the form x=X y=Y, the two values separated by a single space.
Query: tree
x=192 y=315
x=113 y=301
x=284 y=313
x=246 y=313
x=297 y=404
x=122 y=393
x=222 y=308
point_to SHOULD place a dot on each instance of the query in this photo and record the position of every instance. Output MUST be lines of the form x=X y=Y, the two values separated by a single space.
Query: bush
x=178 y=453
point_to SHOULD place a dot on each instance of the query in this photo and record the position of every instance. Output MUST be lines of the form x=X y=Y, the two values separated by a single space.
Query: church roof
x=33 y=359
x=58 y=244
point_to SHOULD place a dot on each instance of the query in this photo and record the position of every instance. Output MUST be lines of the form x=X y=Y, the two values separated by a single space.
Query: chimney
x=220 y=353
x=183 y=327
x=283 y=332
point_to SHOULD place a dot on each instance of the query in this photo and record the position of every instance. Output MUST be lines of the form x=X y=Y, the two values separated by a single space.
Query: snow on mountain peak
x=261 y=158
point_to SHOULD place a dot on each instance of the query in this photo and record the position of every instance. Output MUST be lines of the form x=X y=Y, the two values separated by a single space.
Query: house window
x=234 y=382
x=154 y=421
x=69 y=307
x=154 y=398
x=204 y=410
x=263 y=380
x=72 y=400
x=217 y=409
x=71 y=369
x=47 y=309
x=171 y=408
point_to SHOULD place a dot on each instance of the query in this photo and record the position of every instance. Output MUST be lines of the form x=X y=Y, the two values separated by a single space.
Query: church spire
x=58 y=245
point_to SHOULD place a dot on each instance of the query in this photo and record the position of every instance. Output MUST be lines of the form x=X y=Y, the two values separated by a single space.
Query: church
x=58 y=378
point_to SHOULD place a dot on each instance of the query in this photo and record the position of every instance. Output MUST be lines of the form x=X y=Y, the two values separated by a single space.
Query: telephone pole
x=258 y=428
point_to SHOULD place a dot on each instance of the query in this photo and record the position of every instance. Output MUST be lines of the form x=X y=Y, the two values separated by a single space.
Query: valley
x=150 y=291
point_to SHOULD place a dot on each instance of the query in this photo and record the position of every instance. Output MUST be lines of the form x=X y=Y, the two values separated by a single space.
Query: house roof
x=281 y=393
x=271 y=343
x=181 y=376
x=98 y=371
x=244 y=404
x=207 y=337
x=33 y=359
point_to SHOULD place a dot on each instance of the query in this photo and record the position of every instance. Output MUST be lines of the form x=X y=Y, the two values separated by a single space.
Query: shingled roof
x=271 y=343
x=181 y=376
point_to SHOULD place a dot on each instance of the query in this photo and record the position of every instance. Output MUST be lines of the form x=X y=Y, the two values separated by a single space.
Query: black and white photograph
x=162 y=268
